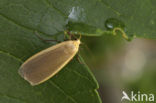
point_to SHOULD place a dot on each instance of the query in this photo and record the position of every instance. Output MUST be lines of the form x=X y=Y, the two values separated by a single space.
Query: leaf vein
x=80 y=75
x=52 y=6
x=11 y=55
x=59 y=88
x=108 y=6
x=8 y=96
x=20 y=25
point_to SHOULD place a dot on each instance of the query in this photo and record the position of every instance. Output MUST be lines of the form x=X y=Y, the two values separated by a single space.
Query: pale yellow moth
x=45 y=64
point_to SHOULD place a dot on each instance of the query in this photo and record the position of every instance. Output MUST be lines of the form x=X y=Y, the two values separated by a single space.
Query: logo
x=137 y=96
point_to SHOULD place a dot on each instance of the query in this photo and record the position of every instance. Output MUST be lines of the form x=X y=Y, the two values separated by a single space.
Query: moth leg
x=70 y=35
x=46 y=40
x=67 y=35
x=78 y=59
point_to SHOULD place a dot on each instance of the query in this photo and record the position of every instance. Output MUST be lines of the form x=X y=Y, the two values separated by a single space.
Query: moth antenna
x=37 y=34
x=70 y=35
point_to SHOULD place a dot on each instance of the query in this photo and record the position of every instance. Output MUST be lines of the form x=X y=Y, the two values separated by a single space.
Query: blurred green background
x=120 y=65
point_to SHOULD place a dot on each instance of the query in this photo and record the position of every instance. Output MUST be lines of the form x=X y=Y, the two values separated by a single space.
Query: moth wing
x=47 y=63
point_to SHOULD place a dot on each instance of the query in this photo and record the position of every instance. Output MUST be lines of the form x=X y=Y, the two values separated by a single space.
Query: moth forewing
x=48 y=62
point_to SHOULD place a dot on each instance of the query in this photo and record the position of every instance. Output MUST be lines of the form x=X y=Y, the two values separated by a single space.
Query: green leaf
x=135 y=18
x=19 y=20
x=73 y=84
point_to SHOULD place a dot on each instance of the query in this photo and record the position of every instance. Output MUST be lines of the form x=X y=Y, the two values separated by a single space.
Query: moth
x=45 y=64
